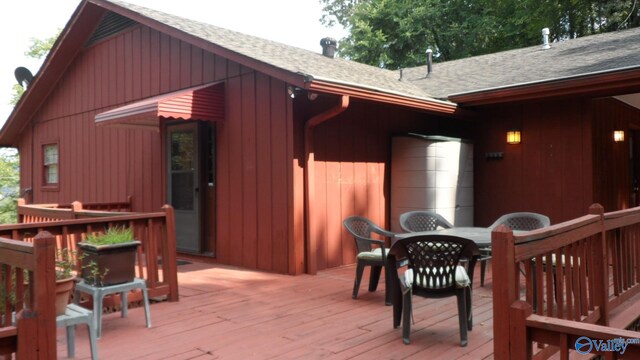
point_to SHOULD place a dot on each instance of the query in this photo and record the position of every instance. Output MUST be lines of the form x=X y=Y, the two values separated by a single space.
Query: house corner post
x=600 y=256
x=504 y=289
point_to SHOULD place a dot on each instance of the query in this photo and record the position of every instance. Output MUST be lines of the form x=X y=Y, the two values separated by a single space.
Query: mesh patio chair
x=434 y=270
x=371 y=252
x=524 y=221
x=416 y=221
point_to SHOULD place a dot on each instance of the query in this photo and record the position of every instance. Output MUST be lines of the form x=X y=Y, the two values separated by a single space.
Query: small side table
x=73 y=316
x=98 y=293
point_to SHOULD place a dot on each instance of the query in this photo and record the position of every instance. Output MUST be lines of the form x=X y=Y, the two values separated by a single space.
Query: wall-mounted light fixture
x=513 y=137
x=618 y=135
x=292 y=91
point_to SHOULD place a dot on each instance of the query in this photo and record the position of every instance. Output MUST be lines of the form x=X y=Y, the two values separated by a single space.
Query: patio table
x=480 y=235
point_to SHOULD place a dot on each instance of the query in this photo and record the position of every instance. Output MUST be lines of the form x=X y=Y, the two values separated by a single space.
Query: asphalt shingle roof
x=287 y=57
x=576 y=57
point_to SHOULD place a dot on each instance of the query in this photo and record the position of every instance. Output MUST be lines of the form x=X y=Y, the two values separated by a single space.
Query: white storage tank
x=432 y=173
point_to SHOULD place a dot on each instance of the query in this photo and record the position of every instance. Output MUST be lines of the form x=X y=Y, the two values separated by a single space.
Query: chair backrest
x=415 y=221
x=433 y=260
x=361 y=228
x=522 y=221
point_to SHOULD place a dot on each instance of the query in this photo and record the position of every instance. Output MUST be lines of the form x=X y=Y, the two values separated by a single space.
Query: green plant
x=114 y=235
x=66 y=261
x=93 y=275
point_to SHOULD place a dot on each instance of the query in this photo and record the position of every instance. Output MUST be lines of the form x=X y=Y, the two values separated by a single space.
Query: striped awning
x=205 y=102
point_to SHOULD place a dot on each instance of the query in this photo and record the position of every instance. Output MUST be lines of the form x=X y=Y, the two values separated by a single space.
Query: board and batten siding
x=352 y=172
x=549 y=172
x=256 y=205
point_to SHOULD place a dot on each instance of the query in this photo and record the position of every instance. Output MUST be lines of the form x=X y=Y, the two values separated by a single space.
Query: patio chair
x=371 y=252
x=416 y=221
x=524 y=221
x=434 y=270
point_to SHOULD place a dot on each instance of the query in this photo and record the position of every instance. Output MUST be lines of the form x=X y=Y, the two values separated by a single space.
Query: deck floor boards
x=232 y=313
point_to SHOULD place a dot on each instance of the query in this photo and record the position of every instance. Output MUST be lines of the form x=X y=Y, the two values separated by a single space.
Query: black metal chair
x=523 y=221
x=416 y=221
x=434 y=270
x=371 y=252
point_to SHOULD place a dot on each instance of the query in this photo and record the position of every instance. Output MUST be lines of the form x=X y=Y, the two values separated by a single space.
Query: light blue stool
x=98 y=293
x=73 y=316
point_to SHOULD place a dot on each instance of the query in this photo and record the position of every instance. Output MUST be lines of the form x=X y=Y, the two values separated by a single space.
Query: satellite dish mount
x=23 y=76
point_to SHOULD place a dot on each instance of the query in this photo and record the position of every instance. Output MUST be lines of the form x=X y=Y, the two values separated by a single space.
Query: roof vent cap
x=545 y=39
x=329 y=47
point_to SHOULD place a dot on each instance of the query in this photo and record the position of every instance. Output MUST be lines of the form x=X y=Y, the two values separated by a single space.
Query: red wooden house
x=264 y=148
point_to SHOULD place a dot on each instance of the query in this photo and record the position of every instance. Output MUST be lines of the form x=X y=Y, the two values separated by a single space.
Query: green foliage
x=38 y=49
x=9 y=185
x=93 y=275
x=396 y=33
x=66 y=261
x=114 y=235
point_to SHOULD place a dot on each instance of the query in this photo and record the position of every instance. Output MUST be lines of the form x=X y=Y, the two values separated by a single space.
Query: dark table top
x=480 y=235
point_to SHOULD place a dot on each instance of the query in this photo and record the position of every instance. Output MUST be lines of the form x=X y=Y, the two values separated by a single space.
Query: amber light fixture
x=618 y=135
x=513 y=137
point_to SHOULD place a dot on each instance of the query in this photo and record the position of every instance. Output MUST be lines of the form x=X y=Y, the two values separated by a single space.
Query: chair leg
x=388 y=286
x=469 y=309
x=483 y=267
x=374 y=278
x=406 y=317
x=462 y=316
x=356 y=283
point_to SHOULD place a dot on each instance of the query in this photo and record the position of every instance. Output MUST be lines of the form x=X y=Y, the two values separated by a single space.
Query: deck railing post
x=76 y=206
x=39 y=335
x=504 y=274
x=20 y=202
x=601 y=281
x=520 y=341
x=170 y=253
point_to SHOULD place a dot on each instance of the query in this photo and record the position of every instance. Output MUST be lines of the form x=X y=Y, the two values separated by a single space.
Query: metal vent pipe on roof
x=329 y=47
x=545 y=39
x=429 y=62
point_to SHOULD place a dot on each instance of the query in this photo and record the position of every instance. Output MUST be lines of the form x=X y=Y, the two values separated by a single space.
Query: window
x=50 y=168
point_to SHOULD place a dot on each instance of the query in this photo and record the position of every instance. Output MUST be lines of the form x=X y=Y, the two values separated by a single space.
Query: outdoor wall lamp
x=618 y=135
x=513 y=137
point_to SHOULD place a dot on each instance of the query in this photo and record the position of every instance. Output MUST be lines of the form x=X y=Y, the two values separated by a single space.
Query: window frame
x=46 y=186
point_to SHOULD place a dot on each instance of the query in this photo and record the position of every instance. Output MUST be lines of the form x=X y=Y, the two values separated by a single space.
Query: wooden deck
x=232 y=313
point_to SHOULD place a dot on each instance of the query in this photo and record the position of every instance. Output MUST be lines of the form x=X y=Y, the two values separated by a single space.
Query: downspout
x=309 y=178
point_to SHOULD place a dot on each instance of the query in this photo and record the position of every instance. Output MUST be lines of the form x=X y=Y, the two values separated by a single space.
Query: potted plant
x=65 y=275
x=109 y=258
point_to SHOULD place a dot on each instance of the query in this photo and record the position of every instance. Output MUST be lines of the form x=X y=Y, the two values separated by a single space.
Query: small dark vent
x=111 y=24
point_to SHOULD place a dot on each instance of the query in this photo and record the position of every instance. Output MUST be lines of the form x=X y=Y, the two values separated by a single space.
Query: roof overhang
x=204 y=102
x=606 y=83
x=430 y=105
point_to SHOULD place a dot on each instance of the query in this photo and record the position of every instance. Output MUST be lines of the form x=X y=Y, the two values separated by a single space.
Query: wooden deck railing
x=554 y=285
x=33 y=335
x=74 y=210
x=156 y=257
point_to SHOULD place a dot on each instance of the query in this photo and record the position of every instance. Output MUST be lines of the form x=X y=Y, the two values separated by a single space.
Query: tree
x=396 y=34
x=9 y=159
x=38 y=49
x=9 y=188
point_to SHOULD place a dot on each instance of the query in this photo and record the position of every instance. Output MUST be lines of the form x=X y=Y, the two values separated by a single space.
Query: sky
x=292 y=22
